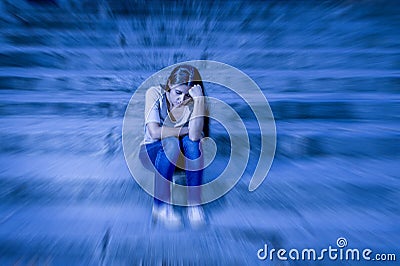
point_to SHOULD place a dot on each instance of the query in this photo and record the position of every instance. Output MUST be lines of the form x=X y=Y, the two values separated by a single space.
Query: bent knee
x=192 y=149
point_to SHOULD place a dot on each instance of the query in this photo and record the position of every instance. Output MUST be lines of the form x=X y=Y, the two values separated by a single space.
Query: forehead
x=183 y=88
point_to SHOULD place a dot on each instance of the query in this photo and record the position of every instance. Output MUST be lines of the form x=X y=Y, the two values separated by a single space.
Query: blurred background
x=330 y=71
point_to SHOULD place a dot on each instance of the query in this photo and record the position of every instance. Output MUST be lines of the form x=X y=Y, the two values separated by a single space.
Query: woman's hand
x=196 y=122
x=196 y=91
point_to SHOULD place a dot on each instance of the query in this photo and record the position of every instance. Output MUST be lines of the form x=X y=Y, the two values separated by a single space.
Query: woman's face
x=178 y=94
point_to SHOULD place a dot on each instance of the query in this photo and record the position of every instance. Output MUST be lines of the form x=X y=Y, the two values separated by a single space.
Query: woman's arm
x=158 y=132
x=152 y=118
x=196 y=123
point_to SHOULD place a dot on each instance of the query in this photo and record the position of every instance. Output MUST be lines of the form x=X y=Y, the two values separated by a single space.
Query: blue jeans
x=163 y=156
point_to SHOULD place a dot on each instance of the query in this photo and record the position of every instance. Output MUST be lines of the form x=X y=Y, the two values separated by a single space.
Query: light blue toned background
x=331 y=72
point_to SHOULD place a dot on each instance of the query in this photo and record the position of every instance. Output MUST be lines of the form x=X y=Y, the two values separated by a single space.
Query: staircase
x=331 y=74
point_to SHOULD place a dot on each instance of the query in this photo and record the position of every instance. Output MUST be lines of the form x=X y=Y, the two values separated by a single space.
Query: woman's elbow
x=154 y=132
x=194 y=136
x=153 y=135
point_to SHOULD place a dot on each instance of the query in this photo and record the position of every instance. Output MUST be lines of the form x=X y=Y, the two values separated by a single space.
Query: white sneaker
x=196 y=216
x=167 y=216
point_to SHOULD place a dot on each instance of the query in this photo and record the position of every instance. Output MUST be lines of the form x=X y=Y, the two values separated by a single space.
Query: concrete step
x=338 y=138
x=195 y=33
x=328 y=74
x=311 y=106
x=297 y=201
x=270 y=81
x=50 y=181
x=121 y=82
x=274 y=25
x=272 y=12
x=138 y=59
x=41 y=134
x=73 y=135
